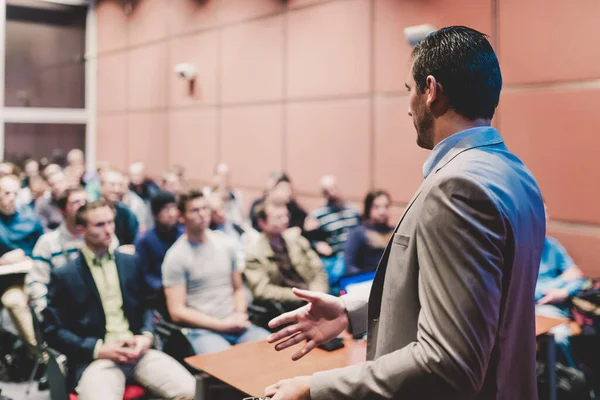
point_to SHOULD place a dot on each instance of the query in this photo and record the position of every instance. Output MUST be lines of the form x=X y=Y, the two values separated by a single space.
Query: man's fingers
x=294 y=340
x=307 y=295
x=286 y=318
x=285 y=332
x=304 y=350
x=271 y=390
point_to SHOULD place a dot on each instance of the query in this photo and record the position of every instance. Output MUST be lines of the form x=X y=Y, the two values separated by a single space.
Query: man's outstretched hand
x=318 y=322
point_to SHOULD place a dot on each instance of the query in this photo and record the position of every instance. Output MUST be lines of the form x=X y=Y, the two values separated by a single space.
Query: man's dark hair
x=81 y=215
x=63 y=199
x=261 y=209
x=370 y=198
x=463 y=62
x=186 y=196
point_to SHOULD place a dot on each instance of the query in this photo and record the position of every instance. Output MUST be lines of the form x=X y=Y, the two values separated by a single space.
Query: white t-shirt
x=205 y=269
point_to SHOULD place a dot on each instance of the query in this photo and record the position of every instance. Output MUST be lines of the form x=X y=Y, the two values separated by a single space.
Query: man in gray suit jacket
x=451 y=309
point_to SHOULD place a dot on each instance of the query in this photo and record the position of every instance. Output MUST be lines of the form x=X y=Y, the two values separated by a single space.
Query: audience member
x=89 y=180
x=232 y=201
x=126 y=223
x=19 y=231
x=138 y=206
x=203 y=287
x=367 y=241
x=46 y=207
x=220 y=222
x=50 y=169
x=152 y=246
x=36 y=189
x=279 y=190
x=559 y=278
x=140 y=183
x=329 y=227
x=171 y=182
x=55 y=249
x=30 y=168
x=97 y=315
x=282 y=259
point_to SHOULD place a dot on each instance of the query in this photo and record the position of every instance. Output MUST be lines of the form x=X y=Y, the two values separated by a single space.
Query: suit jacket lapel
x=122 y=272
x=89 y=281
x=377 y=287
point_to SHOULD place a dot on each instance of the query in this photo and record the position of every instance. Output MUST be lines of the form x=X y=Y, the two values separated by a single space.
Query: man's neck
x=196 y=237
x=448 y=126
x=71 y=227
x=273 y=237
x=99 y=251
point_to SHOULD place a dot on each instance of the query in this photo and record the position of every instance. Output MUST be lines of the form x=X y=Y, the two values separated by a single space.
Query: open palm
x=322 y=319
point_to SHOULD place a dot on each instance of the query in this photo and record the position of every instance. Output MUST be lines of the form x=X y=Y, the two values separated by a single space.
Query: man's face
x=421 y=114
x=57 y=183
x=197 y=214
x=172 y=184
x=380 y=210
x=112 y=187
x=218 y=211
x=100 y=227
x=8 y=195
x=32 y=168
x=168 y=215
x=136 y=176
x=75 y=201
x=281 y=193
x=277 y=221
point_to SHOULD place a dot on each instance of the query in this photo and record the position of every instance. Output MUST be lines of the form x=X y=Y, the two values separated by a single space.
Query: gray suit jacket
x=451 y=309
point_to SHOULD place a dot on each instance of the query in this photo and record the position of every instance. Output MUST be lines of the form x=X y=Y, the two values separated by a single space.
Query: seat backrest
x=57 y=381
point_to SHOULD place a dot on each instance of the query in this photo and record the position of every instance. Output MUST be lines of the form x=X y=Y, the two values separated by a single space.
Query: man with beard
x=450 y=314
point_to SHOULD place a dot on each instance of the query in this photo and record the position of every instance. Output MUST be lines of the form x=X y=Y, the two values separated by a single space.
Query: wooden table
x=251 y=367
x=544 y=324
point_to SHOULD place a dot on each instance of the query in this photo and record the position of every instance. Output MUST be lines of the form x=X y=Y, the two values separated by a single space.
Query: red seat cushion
x=132 y=392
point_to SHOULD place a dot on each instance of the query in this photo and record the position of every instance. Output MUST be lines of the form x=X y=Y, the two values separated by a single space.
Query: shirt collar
x=92 y=259
x=443 y=147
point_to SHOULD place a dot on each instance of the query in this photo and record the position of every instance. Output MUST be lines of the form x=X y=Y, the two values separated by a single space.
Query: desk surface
x=251 y=367
x=544 y=324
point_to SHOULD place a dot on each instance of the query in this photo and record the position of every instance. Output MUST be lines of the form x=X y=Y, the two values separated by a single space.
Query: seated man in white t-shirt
x=203 y=287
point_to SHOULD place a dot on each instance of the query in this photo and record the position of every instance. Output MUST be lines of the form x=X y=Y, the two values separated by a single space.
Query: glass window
x=38 y=141
x=45 y=48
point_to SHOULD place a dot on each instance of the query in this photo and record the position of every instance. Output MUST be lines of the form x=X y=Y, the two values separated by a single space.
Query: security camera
x=186 y=71
x=414 y=34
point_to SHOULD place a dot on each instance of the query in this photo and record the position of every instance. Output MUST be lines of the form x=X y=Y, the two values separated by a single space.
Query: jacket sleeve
x=36 y=280
x=76 y=348
x=460 y=241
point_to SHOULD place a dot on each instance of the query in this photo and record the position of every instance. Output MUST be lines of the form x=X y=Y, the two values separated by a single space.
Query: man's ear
x=435 y=97
x=431 y=90
x=261 y=224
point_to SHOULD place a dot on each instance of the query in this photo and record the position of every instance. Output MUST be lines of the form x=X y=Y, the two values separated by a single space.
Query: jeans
x=562 y=333
x=206 y=341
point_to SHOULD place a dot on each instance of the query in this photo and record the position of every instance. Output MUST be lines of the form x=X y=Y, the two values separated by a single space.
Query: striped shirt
x=53 y=250
x=335 y=223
